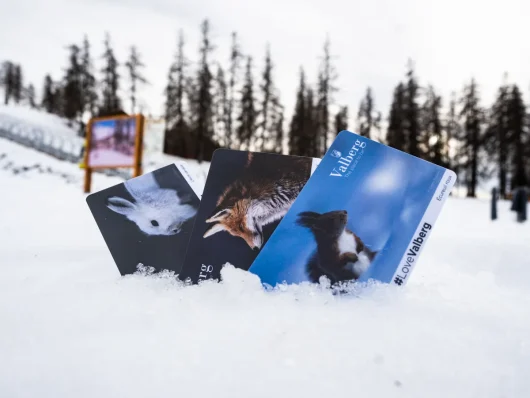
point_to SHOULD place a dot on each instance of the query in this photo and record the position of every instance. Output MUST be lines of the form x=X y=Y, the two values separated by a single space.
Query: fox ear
x=214 y=229
x=219 y=216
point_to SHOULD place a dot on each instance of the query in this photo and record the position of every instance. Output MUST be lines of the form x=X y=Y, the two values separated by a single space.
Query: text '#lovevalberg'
x=412 y=253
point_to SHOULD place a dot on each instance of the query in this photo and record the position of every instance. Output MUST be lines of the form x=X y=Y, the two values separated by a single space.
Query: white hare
x=155 y=210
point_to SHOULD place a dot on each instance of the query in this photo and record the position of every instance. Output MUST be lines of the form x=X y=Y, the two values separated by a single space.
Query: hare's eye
x=154 y=223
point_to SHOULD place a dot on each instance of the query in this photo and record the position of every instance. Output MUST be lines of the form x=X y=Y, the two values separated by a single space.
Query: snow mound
x=72 y=327
x=39 y=119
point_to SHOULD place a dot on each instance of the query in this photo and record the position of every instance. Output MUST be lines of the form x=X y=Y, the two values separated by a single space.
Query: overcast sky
x=449 y=40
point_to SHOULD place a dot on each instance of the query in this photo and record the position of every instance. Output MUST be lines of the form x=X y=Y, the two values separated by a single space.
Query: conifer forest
x=222 y=103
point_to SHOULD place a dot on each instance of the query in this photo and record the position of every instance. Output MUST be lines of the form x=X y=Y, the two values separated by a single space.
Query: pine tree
x=435 y=139
x=111 y=103
x=277 y=126
x=133 y=65
x=30 y=94
x=326 y=78
x=311 y=137
x=396 y=134
x=454 y=137
x=18 y=83
x=248 y=114
x=59 y=98
x=220 y=106
x=367 y=117
x=88 y=80
x=48 y=95
x=303 y=135
x=202 y=98
x=266 y=126
x=518 y=134
x=73 y=95
x=412 y=114
x=170 y=104
x=8 y=80
x=298 y=121
x=497 y=140
x=235 y=58
x=341 y=120
x=177 y=138
x=473 y=118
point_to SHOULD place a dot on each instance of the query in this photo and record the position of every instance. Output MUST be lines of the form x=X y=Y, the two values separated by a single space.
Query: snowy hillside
x=72 y=327
x=53 y=131
x=38 y=119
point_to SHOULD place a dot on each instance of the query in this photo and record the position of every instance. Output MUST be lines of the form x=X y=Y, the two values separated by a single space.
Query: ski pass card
x=366 y=213
x=147 y=220
x=245 y=196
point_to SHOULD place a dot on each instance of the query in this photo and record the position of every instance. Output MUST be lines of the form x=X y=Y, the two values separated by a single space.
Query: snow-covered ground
x=109 y=157
x=70 y=326
x=39 y=119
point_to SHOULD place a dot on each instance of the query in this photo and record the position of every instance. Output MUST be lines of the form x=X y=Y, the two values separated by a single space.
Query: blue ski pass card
x=365 y=214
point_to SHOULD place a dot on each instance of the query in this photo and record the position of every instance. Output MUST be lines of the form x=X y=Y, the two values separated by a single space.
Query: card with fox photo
x=365 y=214
x=147 y=220
x=245 y=196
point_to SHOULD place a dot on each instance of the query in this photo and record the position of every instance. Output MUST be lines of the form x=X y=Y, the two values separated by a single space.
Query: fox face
x=236 y=222
x=261 y=196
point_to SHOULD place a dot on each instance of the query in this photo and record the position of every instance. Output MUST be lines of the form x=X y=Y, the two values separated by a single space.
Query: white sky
x=372 y=39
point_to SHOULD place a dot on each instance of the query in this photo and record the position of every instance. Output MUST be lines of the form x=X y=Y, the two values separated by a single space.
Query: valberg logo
x=345 y=161
x=336 y=154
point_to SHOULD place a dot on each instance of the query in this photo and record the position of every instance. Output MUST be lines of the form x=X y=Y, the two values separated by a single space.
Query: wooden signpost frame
x=138 y=147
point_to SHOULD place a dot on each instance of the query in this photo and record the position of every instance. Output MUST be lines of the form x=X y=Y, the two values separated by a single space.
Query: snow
x=107 y=157
x=72 y=327
x=102 y=132
x=39 y=119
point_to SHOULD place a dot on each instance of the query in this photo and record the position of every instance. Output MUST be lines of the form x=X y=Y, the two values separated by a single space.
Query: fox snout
x=253 y=240
x=256 y=243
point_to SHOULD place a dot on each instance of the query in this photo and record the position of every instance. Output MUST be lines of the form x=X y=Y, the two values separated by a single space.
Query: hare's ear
x=120 y=205
x=220 y=215
x=214 y=229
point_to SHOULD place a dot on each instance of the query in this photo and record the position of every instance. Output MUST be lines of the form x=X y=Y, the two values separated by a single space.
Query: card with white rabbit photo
x=245 y=196
x=365 y=214
x=147 y=220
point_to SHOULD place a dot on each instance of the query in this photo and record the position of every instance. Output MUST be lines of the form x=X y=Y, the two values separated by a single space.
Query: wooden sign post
x=113 y=142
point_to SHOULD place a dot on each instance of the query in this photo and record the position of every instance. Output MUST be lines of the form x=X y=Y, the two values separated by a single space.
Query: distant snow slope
x=38 y=118
x=53 y=126
x=72 y=327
